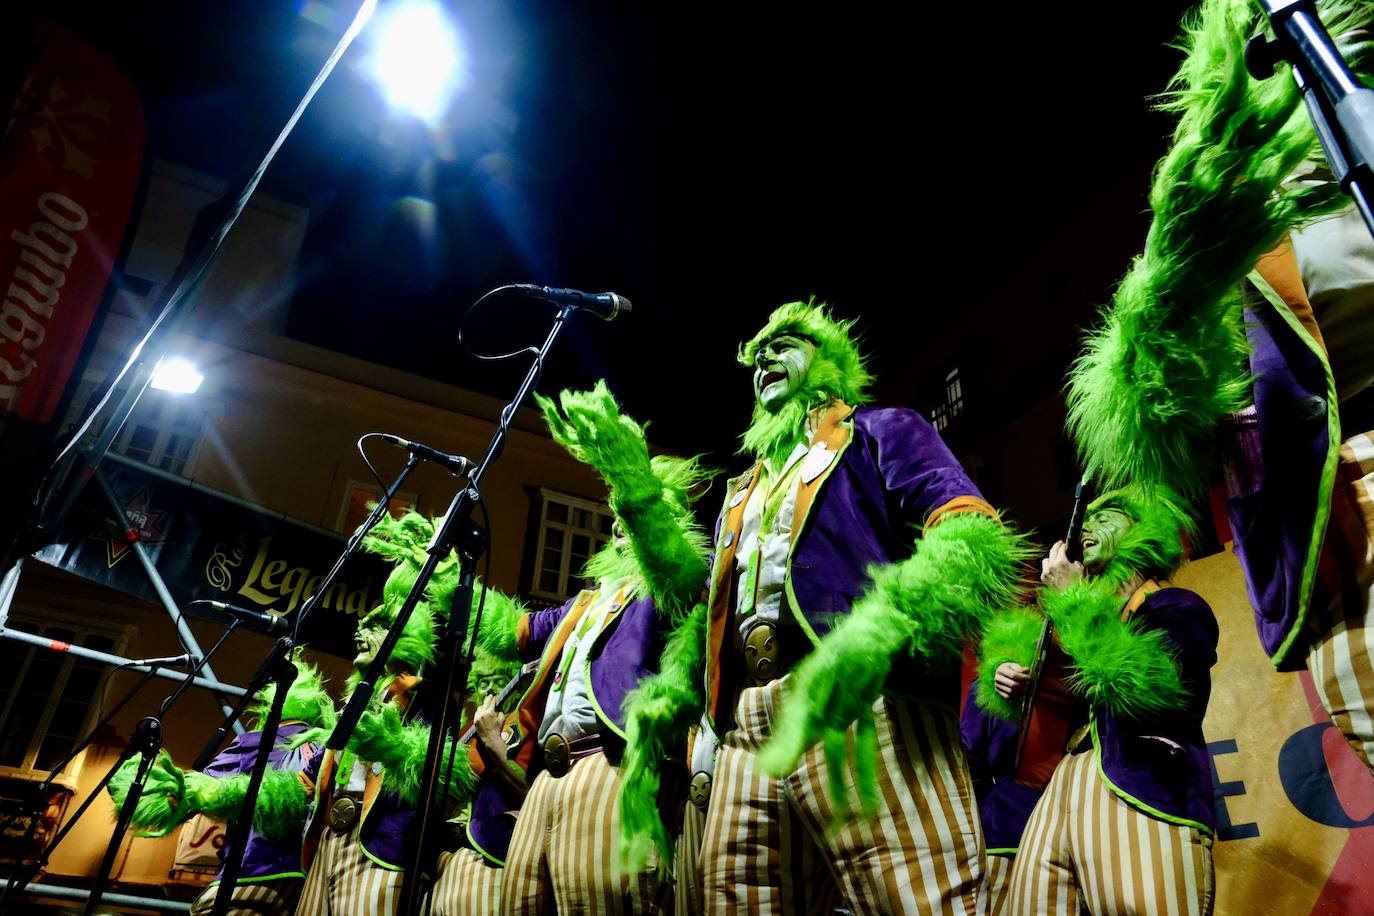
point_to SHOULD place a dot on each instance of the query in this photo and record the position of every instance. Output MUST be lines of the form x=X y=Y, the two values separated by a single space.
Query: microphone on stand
x=605 y=306
x=456 y=465
x=268 y=623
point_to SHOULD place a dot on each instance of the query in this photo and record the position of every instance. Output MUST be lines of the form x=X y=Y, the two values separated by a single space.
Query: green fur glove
x=400 y=747
x=162 y=805
x=1010 y=636
x=1116 y=663
x=593 y=430
x=925 y=607
x=658 y=714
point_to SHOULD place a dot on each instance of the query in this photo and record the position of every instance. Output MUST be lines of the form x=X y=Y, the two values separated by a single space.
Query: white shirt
x=765 y=601
x=1336 y=259
x=569 y=710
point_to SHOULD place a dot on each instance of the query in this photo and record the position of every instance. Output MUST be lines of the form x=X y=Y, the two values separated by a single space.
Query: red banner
x=70 y=163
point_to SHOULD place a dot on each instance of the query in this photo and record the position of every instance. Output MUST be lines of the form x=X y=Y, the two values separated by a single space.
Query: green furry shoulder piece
x=1116 y=664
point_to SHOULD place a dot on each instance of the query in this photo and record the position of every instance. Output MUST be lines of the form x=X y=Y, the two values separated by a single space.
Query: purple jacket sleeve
x=916 y=466
x=536 y=627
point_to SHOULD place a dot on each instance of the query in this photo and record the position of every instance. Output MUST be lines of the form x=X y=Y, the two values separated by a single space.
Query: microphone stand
x=1340 y=107
x=1073 y=552
x=146 y=741
x=457 y=531
x=277 y=669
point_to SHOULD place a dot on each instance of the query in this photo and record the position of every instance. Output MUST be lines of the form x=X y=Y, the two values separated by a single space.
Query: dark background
x=707 y=161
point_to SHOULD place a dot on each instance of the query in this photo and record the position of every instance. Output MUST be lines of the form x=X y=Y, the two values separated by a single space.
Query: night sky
x=709 y=162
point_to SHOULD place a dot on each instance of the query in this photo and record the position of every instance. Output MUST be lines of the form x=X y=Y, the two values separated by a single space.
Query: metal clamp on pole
x=1340 y=106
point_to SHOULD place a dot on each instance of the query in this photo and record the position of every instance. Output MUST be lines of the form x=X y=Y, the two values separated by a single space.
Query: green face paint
x=780 y=368
x=1103 y=531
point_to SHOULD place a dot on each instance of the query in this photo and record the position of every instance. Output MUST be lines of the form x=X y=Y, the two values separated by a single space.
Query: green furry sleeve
x=658 y=714
x=162 y=805
x=279 y=813
x=1116 y=663
x=924 y=607
x=590 y=426
x=1010 y=636
x=1167 y=362
x=400 y=747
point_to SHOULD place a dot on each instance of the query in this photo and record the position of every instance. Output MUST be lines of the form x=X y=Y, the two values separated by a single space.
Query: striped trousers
x=992 y=896
x=1341 y=649
x=343 y=881
x=563 y=856
x=1086 y=850
x=771 y=845
x=468 y=885
x=275 y=897
x=687 y=890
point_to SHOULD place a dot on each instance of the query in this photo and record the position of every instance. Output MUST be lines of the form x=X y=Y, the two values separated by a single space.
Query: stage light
x=176 y=375
x=417 y=58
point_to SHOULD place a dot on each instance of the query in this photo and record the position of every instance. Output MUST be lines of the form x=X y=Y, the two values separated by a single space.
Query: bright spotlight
x=417 y=57
x=176 y=375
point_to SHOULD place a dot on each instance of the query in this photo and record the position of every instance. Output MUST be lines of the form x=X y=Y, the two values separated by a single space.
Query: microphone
x=603 y=305
x=166 y=661
x=456 y=465
x=268 y=623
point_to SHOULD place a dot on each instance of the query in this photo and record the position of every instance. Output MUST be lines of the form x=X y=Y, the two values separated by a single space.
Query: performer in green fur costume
x=272 y=870
x=575 y=729
x=851 y=562
x=1243 y=333
x=1124 y=688
x=358 y=836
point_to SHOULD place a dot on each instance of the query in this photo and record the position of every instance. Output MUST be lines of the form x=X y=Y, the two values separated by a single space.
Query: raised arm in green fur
x=1117 y=664
x=646 y=495
x=400 y=747
x=925 y=607
x=1010 y=636
x=1167 y=362
x=658 y=714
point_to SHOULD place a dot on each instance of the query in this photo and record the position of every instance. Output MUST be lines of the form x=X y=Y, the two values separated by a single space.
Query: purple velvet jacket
x=626 y=652
x=262 y=858
x=888 y=475
x=386 y=833
x=1169 y=778
x=1280 y=467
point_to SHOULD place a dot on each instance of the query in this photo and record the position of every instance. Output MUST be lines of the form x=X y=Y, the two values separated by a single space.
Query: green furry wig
x=306 y=701
x=1167 y=362
x=402 y=542
x=839 y=372
x=406 y=541
x=1153 y=546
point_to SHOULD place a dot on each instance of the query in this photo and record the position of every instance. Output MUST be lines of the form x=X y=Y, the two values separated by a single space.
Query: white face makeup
x=368 y=639
x=779 y=368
